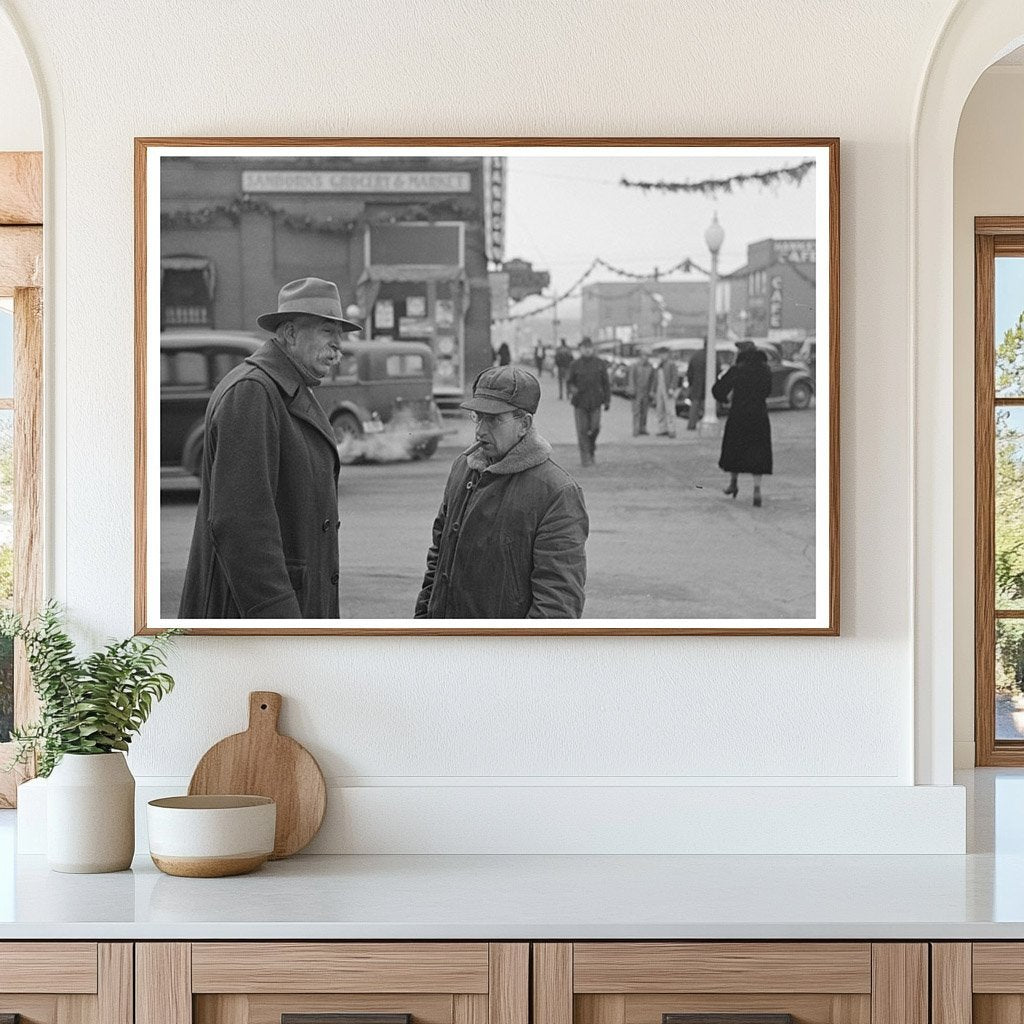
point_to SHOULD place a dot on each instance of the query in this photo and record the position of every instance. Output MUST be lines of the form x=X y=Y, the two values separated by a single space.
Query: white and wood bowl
x=211 y=836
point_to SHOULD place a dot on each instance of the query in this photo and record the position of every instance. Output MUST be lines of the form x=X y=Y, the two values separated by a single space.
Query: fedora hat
x=311 y=296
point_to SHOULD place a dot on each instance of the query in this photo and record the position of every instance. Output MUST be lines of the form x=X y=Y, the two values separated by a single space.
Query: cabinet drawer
x=332 y=983
x=730 y=983
x=64 y=967
x=340 y=967
x=634 y=967
x=66 y=982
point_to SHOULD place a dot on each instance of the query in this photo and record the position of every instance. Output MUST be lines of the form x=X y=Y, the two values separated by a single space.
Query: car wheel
x=426 y=449
x=800 y=395
x=346 y=427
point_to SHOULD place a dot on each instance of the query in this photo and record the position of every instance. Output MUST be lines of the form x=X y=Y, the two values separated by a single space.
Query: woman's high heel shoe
x=757 y=497
x=732 y=490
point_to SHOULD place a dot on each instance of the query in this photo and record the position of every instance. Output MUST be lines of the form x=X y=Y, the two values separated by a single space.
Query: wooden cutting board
x=262 y=762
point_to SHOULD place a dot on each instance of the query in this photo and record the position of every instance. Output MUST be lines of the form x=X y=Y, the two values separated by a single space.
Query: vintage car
x=792 y=384
x=377 y=390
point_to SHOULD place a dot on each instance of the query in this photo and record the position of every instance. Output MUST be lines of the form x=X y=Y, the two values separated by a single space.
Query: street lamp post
x=709 y=425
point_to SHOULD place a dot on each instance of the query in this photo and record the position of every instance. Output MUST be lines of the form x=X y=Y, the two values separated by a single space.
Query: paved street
x=665 y=542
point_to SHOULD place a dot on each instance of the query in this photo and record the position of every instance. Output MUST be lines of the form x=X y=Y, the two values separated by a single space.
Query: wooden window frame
x=21 y=278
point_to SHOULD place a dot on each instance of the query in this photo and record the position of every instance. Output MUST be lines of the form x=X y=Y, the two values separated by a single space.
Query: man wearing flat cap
x=509 y=539
x=265 y=544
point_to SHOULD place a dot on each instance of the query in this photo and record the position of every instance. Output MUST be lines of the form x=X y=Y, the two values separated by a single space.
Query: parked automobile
x=377 y=389
x=384 y=387
x=792 y=383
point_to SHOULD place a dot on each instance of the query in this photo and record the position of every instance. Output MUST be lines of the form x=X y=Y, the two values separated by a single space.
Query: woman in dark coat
x=747 y=441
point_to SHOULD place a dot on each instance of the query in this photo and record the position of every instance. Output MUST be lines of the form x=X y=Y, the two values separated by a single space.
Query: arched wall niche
x=976 y=34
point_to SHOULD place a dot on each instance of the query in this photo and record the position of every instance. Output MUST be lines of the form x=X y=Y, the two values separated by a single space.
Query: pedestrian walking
x=509 y=541
x=563 y=360
x=538 y=358
x=503 y=356
x=265 y=543
x=589 y=390
x=666 y=387
x=747 y=440
x=695 y=385
x=640 y=384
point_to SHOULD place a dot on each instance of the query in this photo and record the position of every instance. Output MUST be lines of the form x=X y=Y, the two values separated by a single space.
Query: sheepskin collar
x=531 y=451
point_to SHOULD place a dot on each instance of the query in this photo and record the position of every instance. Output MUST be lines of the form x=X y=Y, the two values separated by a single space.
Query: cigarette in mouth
x=475 y=447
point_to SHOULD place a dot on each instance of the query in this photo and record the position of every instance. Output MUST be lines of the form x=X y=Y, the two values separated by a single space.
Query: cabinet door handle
x=338 y=1018
x=727 y=1018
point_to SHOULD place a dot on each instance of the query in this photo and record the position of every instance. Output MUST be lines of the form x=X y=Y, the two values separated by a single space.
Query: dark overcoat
x=508 y=541
x=747 y=439
x=265 y=543
x=588 y=382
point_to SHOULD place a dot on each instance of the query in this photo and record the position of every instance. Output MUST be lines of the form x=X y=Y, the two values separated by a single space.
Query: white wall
x=987 y=182
x=21 y=126
x=429 y=717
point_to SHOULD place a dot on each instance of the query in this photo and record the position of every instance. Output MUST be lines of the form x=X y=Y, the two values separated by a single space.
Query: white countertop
x=976 y=896
x=516 y=897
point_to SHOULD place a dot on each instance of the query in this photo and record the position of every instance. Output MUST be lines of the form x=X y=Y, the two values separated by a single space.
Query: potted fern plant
x=90 y=708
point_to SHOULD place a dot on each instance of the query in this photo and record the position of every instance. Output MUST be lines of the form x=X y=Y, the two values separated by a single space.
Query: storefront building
x=773 y=295
x=408 y=241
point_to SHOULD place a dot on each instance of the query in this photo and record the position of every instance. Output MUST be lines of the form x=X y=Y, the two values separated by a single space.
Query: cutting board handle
x=264 y=710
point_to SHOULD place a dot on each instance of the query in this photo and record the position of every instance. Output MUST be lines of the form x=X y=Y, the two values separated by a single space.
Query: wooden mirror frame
x=21 y=278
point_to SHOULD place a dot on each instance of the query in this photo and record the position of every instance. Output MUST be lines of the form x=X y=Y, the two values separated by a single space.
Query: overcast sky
x=562 y=211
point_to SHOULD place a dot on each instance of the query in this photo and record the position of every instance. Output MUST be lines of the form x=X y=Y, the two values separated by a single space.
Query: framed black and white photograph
x=504 y=386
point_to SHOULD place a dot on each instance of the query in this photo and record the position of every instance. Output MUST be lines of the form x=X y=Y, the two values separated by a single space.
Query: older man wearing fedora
x=509 y=539
x=265 y=543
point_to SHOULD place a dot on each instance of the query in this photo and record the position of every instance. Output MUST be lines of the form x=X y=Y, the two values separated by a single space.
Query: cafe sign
x=356 y=181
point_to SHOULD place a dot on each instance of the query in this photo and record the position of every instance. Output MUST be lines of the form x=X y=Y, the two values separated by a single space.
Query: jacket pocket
x=515 y=601
x=296 y=574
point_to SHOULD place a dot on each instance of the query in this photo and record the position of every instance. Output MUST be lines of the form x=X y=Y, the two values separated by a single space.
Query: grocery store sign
x=355 y=181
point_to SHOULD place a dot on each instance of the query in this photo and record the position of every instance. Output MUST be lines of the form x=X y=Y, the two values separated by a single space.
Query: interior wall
x=531 y=712
x=987 y=182
x=21 y=125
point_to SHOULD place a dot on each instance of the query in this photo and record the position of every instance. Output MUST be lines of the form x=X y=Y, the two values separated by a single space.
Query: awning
x=383 y=273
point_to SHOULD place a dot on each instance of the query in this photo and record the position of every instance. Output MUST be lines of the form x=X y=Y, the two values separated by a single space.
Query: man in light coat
x=265 y=543
x=509 y=539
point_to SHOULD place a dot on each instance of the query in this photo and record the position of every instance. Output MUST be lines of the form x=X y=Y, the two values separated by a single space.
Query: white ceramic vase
x=90 y=814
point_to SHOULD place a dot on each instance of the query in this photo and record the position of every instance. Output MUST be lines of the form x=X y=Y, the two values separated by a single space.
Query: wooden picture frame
x=221 y=229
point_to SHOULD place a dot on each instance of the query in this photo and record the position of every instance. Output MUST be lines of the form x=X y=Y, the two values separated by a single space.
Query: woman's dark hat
x=311 y=296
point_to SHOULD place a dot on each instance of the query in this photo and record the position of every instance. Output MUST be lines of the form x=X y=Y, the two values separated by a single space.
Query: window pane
x=1009 y=525
x=6 y=567
x=190 y=369
x=6 y=353
x=1009 y=319
x=1009 y=679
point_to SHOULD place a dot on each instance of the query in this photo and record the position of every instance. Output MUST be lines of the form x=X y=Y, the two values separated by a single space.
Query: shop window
x=186 y=291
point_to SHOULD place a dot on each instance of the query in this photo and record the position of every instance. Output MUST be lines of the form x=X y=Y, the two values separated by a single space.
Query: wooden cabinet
x=978 y=983
x=66 y=982
x=648 y=982
x=494 y=983
x=263 y=982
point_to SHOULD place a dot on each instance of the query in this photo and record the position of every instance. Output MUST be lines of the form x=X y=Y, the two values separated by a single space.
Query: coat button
x=455 y=527
x=326 y=526
x=335 y=576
